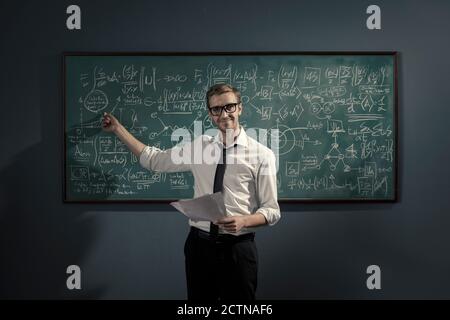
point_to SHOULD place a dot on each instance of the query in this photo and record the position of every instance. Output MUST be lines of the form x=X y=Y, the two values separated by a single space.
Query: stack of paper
x=210 y=207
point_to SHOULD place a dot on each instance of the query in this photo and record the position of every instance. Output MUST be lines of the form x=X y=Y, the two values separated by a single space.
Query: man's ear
x=240 y=108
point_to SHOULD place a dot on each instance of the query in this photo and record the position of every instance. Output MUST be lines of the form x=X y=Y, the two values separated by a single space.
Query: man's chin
x=225 y=128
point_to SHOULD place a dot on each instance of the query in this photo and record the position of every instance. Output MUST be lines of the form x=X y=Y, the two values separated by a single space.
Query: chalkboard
x=336 y=114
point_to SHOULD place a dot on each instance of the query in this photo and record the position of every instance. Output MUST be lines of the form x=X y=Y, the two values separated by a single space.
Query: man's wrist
x=246 y=222
x=118 y=128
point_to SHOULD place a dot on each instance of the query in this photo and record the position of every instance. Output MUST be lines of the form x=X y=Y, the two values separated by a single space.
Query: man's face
x=225 y=120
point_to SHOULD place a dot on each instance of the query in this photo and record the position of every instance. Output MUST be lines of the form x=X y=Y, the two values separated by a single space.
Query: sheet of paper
x=206 y=208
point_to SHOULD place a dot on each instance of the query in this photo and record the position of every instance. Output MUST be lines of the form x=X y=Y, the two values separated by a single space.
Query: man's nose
x=223 y=115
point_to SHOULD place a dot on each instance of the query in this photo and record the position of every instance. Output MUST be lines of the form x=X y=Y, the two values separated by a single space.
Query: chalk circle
x=95 y=101
x=315 y=108
x=286 y=139
x=245 y=99
x=207 y=122
x=148 y=101
x=328 y=107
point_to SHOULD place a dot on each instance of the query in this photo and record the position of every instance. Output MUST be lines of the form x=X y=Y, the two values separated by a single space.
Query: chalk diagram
x=96 y=101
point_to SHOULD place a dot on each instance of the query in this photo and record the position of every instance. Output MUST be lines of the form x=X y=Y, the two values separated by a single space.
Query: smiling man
x=221 y=258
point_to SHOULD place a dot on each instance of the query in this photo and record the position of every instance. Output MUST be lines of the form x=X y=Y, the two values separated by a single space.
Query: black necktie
x=218 y=186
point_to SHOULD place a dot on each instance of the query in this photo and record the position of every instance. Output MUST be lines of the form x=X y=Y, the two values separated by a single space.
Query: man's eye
x=230 y=106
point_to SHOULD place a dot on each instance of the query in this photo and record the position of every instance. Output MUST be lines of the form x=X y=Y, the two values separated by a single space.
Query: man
x=221 y=258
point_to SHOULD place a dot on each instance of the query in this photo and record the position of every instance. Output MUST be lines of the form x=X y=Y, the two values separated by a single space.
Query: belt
x=222 y=238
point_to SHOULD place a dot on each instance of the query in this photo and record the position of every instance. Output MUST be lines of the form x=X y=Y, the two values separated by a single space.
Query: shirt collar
x=241 y=139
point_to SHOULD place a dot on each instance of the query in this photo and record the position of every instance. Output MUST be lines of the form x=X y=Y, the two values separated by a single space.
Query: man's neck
x=235 y=134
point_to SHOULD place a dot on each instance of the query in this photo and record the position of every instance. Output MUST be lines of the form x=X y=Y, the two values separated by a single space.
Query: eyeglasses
x=229 y=108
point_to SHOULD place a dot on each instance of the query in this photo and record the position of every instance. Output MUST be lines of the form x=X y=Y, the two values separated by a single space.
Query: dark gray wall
x=136 y=250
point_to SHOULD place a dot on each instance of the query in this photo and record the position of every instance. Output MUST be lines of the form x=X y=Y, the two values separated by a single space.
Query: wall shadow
x=40 y=236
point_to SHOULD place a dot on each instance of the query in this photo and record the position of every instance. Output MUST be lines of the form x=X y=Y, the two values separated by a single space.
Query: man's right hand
x=109 y=123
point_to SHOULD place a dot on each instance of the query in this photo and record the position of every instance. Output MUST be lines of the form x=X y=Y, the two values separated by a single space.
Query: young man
x=221 y=258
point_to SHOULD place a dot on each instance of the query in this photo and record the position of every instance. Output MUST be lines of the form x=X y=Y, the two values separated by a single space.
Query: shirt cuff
x=272 y=215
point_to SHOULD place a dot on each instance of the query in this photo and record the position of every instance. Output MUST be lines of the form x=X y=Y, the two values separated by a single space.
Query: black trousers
x=224 y=269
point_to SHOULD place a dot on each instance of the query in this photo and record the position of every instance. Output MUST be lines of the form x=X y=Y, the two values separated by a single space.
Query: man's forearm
x=131 y=142
x=255 y=220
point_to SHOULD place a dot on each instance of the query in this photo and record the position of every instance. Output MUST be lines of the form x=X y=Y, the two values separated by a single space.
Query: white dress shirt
x=249 y=183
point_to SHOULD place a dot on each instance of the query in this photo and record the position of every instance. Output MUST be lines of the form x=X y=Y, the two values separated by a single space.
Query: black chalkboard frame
x=394 y=54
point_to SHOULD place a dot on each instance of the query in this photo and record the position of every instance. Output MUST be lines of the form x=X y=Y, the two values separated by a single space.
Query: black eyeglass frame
x=224 y=107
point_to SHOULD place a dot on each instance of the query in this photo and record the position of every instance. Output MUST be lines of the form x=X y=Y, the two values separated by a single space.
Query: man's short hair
x=221 y=88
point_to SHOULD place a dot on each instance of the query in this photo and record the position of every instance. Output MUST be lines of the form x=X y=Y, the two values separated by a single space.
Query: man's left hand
x=232 y=224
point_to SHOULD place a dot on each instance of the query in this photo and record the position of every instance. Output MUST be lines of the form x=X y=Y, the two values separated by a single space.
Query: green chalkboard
x=336 y=116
